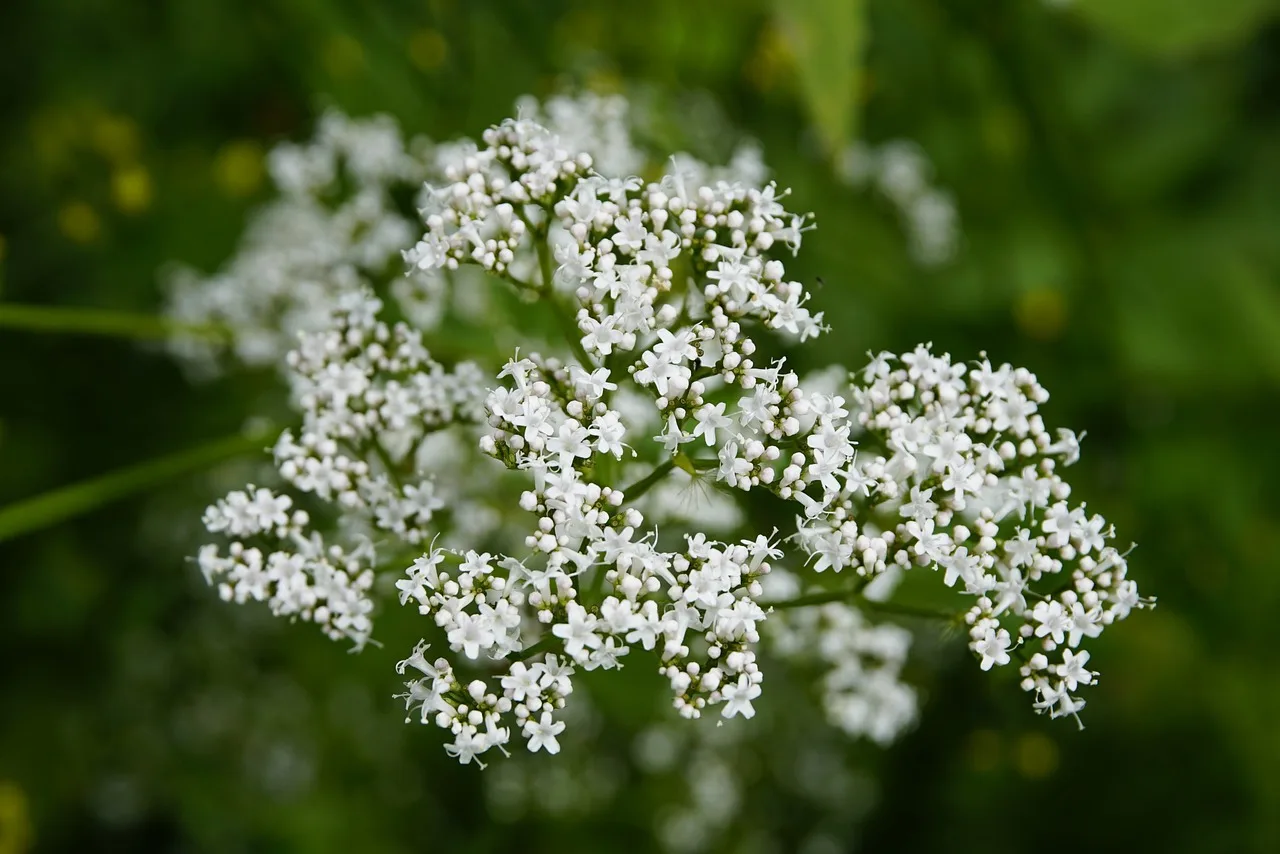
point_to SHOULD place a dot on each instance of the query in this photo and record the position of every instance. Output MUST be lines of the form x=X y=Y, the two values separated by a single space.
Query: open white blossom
x=662 y=290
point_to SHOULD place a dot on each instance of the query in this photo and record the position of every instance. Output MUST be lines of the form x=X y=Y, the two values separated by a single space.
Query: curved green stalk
x=67 y=502
x=97 y=321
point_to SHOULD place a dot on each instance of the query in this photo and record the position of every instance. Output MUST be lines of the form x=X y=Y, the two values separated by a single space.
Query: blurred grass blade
x=95 y=321
x=70 y=501
x=826 y=39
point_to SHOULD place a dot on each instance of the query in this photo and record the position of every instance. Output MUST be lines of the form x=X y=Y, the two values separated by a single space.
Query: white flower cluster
x=657 y=287
x=598 y=124
x=334 y=227
x=901 y=172
x=592 y=585
x=862 y=690
x=339 y=224
x=302 y=577
x=367 y=392
x=965 y=479
x=370 y=391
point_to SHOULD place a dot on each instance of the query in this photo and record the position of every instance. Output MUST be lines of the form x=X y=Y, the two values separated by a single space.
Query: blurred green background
x=1116 y=168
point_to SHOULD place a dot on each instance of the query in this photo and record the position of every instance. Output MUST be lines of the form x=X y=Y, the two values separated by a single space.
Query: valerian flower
x=917 y=463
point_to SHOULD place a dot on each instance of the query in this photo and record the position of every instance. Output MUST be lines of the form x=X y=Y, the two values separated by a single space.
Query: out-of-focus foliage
x=1177 y=27
x=826 y=40
x=1116 y=166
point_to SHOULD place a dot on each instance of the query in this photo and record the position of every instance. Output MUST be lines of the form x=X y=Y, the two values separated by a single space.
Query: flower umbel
x=662 y=290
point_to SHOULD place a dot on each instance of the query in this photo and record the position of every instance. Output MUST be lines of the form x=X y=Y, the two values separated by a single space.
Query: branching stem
x=647 y=482
x=854 y=596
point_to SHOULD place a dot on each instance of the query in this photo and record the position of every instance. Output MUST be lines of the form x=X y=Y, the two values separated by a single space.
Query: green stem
x=543 y=250
x=61 y=504
x=547 y=292
x=571 y=332
x=852 y=596
x=522 y=284
x=903 y=610
x=820 y=598
x=548 y=642
x=385 y=459
x=644 y=484
x=96 y=321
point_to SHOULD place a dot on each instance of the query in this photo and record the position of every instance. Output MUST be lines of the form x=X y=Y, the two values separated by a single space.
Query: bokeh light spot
x=116 y=138
x=770 y=61
x=15 y=821
x=343 y=56
x=427 y=49
x=1040 y=313
x=1004 y=132
x=1036 y=756
x=983 y=750
x=238 y=168
x=131 y=189
x=79 y=222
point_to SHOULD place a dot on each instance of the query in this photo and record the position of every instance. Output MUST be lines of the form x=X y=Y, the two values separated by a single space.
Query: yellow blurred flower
x=1036 y=756
x=427 y=49
x=984 y=750
x=79 y=222
x=1004 y=132
x=15 y=821
x=238 y=167
x=343 y=56
x=1040 y=312
x=603 y=80
x=116 y=138
x=771 y=61
x=131 y=189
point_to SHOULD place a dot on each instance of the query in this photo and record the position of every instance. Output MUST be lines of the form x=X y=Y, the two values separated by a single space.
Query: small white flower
x=542 y=734
x=738 y=697
x=710 y=418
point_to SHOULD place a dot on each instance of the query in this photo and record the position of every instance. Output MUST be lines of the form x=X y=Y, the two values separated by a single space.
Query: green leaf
x=826 y=38
x=69 y=501
x=1176 y=27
